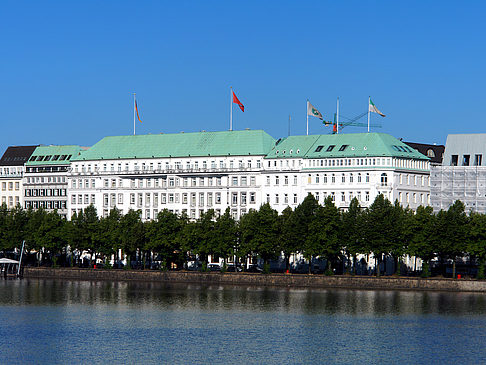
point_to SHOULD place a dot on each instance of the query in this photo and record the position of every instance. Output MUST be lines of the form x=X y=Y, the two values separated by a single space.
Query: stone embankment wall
x=278 y=280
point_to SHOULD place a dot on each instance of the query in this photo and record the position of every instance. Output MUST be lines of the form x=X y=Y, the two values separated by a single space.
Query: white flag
x=313 y=111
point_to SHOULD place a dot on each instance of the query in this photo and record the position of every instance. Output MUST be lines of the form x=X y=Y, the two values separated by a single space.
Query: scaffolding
x=464 y=183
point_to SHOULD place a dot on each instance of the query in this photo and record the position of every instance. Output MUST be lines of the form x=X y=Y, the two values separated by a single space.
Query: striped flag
x=372 y=108
x=136 y=109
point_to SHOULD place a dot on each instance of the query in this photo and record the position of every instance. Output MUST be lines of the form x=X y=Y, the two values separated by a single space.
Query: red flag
x=136 y=109
x=236 y=101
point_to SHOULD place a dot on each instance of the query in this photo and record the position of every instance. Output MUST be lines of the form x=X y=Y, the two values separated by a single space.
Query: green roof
x=343 y=145
x=233 y=143
x=54 y=155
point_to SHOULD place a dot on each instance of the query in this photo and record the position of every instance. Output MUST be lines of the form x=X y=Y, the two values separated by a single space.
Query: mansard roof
x=343 y=145
x=199 y=144
x=16 y=155
x=54 y=155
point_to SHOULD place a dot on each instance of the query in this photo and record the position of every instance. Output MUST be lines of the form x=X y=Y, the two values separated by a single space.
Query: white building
x=194 y=172
x=11 y=172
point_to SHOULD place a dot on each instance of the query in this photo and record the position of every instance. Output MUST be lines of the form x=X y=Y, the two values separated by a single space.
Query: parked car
x=233 y=268
x=214 y=267
x=254 y=268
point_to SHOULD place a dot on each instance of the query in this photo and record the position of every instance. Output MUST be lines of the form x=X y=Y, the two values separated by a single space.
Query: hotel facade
x=191 y=173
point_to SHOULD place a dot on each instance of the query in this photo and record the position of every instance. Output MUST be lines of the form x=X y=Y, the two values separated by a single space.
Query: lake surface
x=46 y=321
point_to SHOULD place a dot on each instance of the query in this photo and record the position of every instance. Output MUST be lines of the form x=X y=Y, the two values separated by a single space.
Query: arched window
x=430 y=153
x=384 y=179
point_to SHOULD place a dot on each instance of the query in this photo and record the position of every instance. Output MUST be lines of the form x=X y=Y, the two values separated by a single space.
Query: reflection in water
x=239 y=298
x=82 y=321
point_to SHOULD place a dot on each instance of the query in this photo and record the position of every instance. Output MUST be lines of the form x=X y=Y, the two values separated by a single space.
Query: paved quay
x=276 y=280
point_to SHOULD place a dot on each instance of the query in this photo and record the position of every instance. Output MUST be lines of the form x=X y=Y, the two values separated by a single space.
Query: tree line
x=386 y=230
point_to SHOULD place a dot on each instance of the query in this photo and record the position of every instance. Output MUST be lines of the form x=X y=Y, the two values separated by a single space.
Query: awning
x=8 y=261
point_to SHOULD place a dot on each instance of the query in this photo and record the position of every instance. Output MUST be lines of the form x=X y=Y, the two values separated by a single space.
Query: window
x=276 y=199
x=367 y=196
x=333 y=179
x=295 y=179
x=295 y=198
x=330 y=148
x=234 y=181
x=184 y=198
x=367 y=178
x=243 y=180
x=210 y=199
x=430 y=153
x=217 y=198
x=478 y=159
x=465 y=160
x=268 y=180
x=234 y=198
x=243 y=198
x=132 y=199
x=319 y=148
x=454 y=159
x=277 y=180
x=384 y=179
x=105 y=200
x=343 y=178
x=343 y=147
x=268 y=198
x=351 y=178
x=317 y=179
x=252 y=198
x=343 y=196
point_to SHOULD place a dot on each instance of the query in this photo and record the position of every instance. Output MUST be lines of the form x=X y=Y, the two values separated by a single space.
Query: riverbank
x=278 y=280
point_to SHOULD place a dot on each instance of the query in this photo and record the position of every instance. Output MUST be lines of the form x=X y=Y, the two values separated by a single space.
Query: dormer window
x=319 y=148
x=330 y=148
x=343 y=147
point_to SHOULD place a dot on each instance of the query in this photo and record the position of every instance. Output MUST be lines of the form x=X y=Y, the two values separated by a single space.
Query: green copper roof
x=343 y=145
x=53 y=155
x=234 y=143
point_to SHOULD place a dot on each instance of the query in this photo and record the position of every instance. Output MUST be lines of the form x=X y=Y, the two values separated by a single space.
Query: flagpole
x=337 y=116
x=134 y=113
x=231 y=108
x=289 y=127
x=369 y=99
x=307 y=114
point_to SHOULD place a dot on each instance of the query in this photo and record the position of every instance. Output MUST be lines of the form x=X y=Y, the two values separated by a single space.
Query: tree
x=225 y=236
x=288 y=239
x=450 y=231
x=162 y=234
x=132 y=233
x=304 y=216
x=259 y=233
x=350 y=233
x=379 y=230
x=422 y=237
x=476 y=237
x=324 y=231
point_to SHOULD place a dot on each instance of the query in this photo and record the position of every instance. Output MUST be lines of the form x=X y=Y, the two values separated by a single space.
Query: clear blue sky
x=68 y=68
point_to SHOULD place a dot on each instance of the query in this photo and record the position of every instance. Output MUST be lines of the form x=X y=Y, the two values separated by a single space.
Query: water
x=45 y=321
